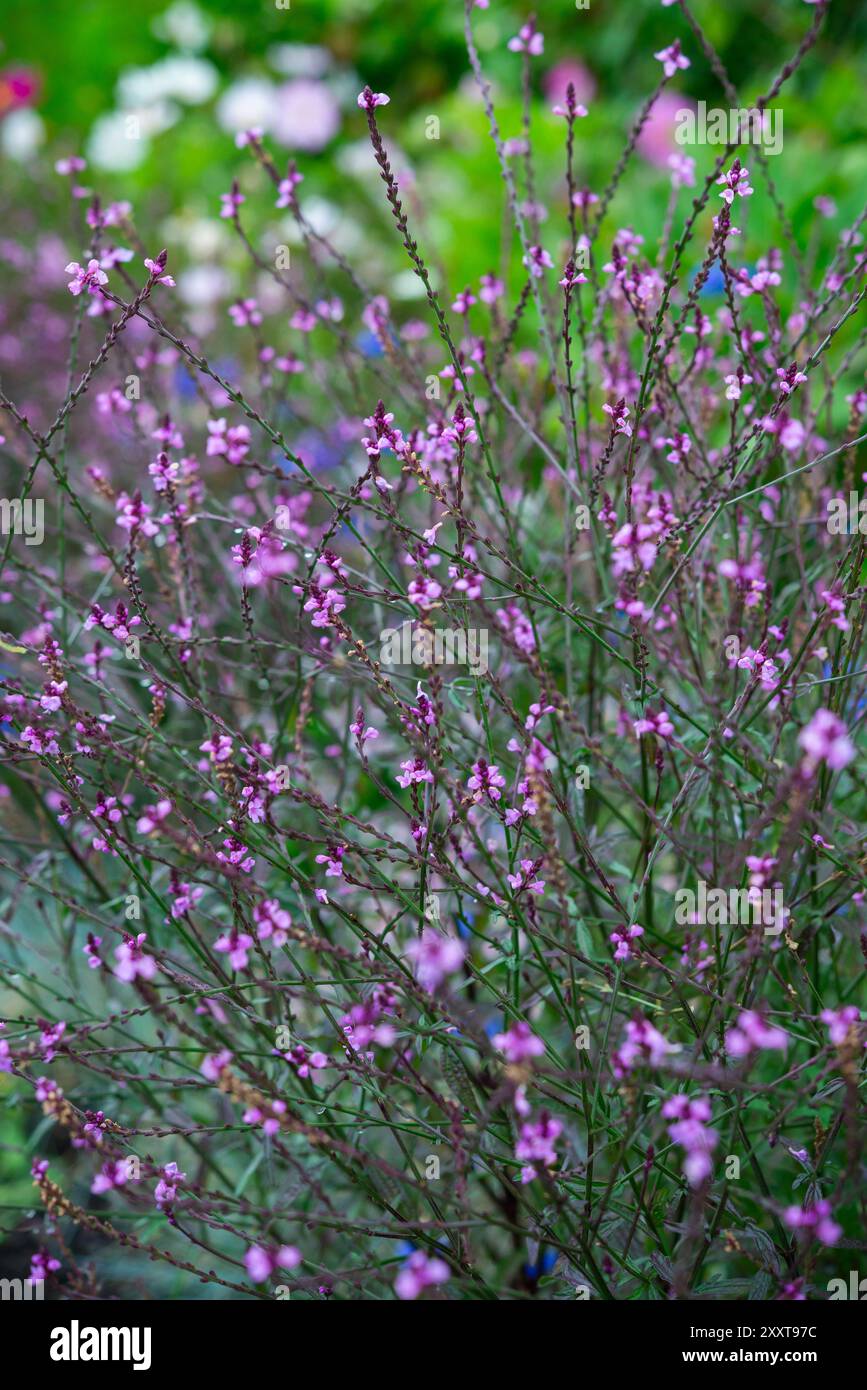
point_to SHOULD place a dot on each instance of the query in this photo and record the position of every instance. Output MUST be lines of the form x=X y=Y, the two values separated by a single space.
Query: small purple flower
x=672 y=58
x=368 y=100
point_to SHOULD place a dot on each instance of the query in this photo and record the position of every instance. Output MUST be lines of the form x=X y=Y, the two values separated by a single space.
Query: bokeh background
x=193 y=72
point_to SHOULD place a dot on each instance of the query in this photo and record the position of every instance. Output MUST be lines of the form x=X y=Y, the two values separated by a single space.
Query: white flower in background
x=306 y=115
x=188 y=79
x=203 y=238
x=246 y=104
x=204 y=284
x=21 y=133
x=299 y=59
x=356 y=159
x=184 y=25
x=322 y=215
x=119 y=140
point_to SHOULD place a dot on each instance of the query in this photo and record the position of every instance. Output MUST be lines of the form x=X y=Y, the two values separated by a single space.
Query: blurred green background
x=190 y=74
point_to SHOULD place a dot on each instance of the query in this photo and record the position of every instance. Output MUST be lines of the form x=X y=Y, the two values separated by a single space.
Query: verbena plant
x=433 y=844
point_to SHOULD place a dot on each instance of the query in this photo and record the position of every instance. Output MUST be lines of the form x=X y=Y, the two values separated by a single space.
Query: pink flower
x=519 y=1043
x=622 y=938
x=167 y=1187
x=152 y=816
x=491 y=289
x=735 y=183
x=215 y=1063
x=424 y=591
x=816 y=1218
x=672 y=58
x=41 y=1265
x=334 y=860
x=245 y=312
x=232 y=441
x=537 y=261
x=420 y=1272
x=682 y=168
x=157 y=269
x=231 y=201
x=690 y=1132
x=49 y=1038
x=114 y=1173
x=272 y=922
x=525 y=878
x=535 y=1147
x=261 y=1263
x=435 y=956
x=826 y=740
x=368 y=100
x=643 y=1044
x=751 y=1033
x=414 y=770
x=269 y=1119
x=88 y=279
x=485 y=782
x=572 y=277
x=619 y=414
x=658 y=725
x=528 y=40
x=132 y=963
x=790 y=377
x=286 y=189
x=841 y=1023
x=235 y=944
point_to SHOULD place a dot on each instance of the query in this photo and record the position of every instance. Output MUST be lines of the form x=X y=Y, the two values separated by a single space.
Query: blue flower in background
x=546 y=1263
x=714 y=284
x=369 y=345
x=184 y=384
x=465 y=926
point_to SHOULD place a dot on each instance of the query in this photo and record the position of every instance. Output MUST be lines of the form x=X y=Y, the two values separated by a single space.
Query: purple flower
x=528 y=40
x=167 y=1187
x=435 y=957
x=752 y=1033
x=672 y=58
x=842 y=1024
x=537 y=261
x=535 y=1147
x=132 y=963
x=643 y=1043
x=41 y=1265
x=815 y=1218
x=420 y=1272
x=826 y=740
x=485 y=782
x=261 y=1263
x=689 y=1130
x=368 y=100
x=519 y=1043
x=215 y=1063
x=89 y=278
